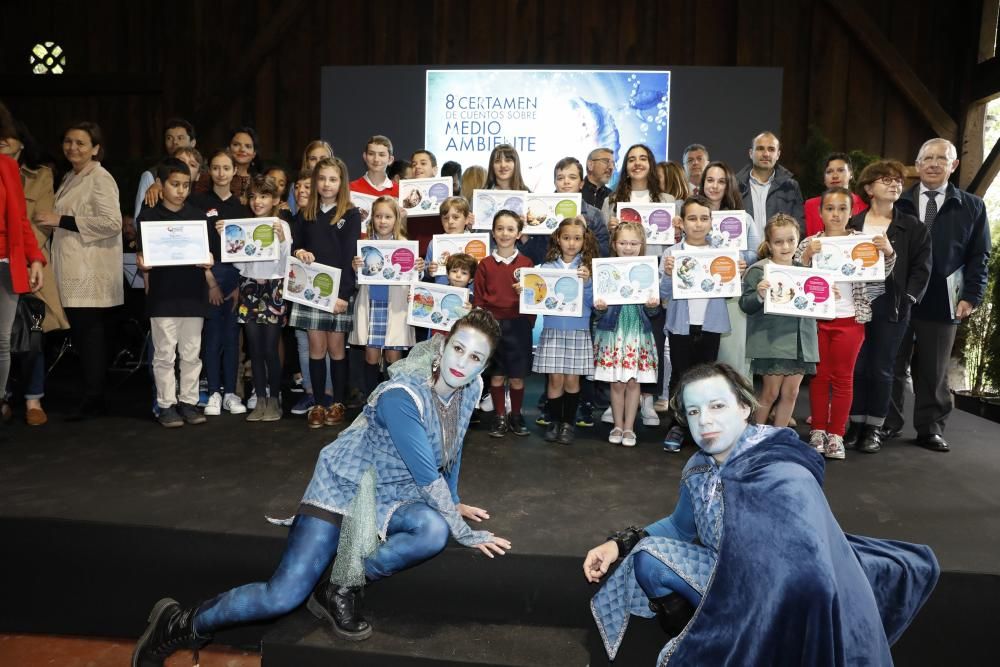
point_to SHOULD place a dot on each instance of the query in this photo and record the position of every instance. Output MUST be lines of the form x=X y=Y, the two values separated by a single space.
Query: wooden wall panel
x=185 y=53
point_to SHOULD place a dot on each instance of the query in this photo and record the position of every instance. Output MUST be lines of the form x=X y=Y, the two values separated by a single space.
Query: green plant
x=813 y=160
x=982 y=337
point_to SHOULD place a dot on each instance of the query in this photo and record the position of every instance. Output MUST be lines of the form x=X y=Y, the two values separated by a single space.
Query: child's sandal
x=628 y=439
x=615 y=437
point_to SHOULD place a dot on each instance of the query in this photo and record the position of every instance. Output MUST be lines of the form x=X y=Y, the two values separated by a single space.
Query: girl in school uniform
x=328 y=233
x=565 y=350
x=380 y=310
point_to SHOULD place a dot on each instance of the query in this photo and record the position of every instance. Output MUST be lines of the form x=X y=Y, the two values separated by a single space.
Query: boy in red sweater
x=377 y=156
x=494 y=290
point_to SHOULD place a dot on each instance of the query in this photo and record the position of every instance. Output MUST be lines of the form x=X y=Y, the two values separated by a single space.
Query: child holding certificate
x=494 y=291
x=380 y=310
x=782 y=348
x=177 y=302
x=840 y=339
x=694 y=325
x=328 y=233
x=262 y=308
x=455 y=214
x=624 y=346
x=565 y=350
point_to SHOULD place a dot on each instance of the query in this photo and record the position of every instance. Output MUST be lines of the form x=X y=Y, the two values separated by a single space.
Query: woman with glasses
x=880 y=185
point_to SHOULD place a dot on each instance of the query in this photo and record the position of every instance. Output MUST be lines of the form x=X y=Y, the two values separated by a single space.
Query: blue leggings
x=415 y=534
x=657 y=580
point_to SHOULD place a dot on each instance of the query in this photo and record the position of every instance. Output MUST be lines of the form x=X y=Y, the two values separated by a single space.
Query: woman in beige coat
x=87 y=255
x=38 y=194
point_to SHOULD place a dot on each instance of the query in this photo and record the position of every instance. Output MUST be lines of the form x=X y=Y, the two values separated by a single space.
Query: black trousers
x=874 y=367
x=659 y=337
x=697 y=347
x=88 y=331
x=926 y=349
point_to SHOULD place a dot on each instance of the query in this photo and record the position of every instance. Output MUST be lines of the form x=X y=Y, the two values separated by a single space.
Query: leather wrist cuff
x=627 y=539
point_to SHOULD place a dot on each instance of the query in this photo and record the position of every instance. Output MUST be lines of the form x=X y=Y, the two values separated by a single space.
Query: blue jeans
x=33 y=375
x=221 y=349
x=657 y=580
x=415 y=534
x=873 y=370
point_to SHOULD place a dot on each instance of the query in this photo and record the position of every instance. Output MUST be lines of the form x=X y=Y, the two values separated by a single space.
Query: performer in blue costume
x=383 y=498
x=772 y=578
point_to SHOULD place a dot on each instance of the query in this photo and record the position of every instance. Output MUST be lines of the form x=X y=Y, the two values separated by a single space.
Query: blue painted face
x=714 y=415
x=464 y=357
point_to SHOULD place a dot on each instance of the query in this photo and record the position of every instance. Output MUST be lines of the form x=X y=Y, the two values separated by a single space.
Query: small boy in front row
x=177 y=303
x=461 y=270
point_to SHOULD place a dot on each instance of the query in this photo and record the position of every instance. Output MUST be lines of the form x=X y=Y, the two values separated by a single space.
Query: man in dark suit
x=960 y=239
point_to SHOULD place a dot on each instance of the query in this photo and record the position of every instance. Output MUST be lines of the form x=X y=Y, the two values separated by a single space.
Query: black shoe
x=170 y=418
x=543 y=417
x=933 y=442
x=515 y=423
x=889 y=433
x=566 y=433
x=476 y=416
x=552 y=432
x=871 y=440
x=854 y=431
x=499 y=428
x=673 y=612
x=585 y=415
x=341 y=607
x=170 y=628
x=191 y=414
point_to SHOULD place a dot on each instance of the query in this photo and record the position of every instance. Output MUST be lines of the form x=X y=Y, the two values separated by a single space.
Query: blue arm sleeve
x=679 y=525
x=397 y=412
x=452 y=478
x=145 y=181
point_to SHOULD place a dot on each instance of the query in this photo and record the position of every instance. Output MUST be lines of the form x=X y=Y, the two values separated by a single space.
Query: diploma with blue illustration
x=315 y=285
x=444 y=246
x=854 y=258
x=174 y=243
x=800 y=291
x=250 y=240
x=436 y=306
x=423 y=196
x=704 y=273
x=487 y=203
x=387 y=262
x=729 y=230
x=544 y=212
x=621 y=280
x=552 y=292
x=657 y=220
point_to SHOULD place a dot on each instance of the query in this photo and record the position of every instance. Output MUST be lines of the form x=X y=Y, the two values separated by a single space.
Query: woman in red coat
x=21 y=261
x=837 y=173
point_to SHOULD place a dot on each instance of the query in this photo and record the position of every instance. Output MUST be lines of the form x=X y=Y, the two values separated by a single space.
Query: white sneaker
x=608 y=417
x=252 y=401
x=487 y=404
x=213 y=407
x=649 y=416
x=233 y=404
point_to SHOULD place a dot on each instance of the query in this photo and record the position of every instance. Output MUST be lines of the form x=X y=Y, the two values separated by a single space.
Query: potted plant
x=982 y=352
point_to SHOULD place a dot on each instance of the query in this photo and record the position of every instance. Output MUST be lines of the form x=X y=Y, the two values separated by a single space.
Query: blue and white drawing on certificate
x=545 y=115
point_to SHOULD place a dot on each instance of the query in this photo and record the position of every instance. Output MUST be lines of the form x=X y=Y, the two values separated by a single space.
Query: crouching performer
x=383 y=498
x=752 y=567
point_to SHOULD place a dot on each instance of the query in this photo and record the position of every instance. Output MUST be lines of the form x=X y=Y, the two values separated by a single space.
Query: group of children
x=630 y=347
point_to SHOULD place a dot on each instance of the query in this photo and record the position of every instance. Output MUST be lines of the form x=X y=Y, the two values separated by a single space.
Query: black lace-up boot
x=341 y=607
x=170 y=628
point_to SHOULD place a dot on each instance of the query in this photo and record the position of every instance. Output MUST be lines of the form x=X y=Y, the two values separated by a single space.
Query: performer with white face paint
x=752 y=568
x=383 y=498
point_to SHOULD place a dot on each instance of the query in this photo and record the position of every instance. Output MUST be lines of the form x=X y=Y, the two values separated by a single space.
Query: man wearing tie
x=960 y=238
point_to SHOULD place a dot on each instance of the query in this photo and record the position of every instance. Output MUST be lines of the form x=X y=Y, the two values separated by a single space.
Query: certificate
x=729 y=230
x=315 y=285
x=175 y=242
x=705 y=273
x=364 y=203
x=544 y=212
x=552 y=292
x=619 y=280
x=956 y=284
x=854 y=258
x=444 y=246
x=800 y=291
x=656 y=219
x=423 y=196
x=436 y=306
x=250 y=240
x=487 y=203
x=387 y=262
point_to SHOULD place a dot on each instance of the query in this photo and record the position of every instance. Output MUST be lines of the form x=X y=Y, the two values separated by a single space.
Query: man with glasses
x=600 y=167
x=960 y=238
x=695 y=159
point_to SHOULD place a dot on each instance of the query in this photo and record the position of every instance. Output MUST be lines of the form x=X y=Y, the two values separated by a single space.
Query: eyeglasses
x=890 y=180
x=935 y=159
x=605 y=160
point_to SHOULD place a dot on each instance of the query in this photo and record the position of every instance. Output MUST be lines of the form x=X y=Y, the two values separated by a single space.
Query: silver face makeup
x=714 y=415
x=464 y=358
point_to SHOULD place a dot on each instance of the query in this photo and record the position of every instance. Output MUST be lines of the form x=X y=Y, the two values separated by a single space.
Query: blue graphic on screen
x=546 y=115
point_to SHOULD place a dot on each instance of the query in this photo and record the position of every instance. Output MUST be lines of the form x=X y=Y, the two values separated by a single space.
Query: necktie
x=932 y=208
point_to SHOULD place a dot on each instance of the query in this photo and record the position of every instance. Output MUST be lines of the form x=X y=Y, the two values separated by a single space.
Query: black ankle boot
x=552 y=432
x=871 y=440
x=673 y=612
x=170 y=628
x=854 y=430
x=341 y=607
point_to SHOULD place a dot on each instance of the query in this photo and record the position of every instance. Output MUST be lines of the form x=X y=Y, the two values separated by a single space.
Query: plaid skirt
x=378 y=325
x=564 y=351
x=262 y=301
x=304 y=317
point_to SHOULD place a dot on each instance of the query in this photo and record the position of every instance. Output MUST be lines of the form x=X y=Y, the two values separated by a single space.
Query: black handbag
x=26 y=335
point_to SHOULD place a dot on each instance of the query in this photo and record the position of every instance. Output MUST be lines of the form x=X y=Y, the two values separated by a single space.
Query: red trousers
x=832 y=388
